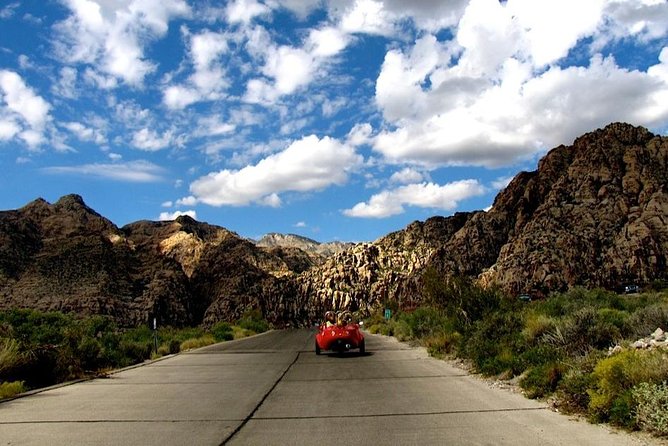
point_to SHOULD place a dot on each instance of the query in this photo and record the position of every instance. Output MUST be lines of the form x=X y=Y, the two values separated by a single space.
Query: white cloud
x=368 y=17
x=360 y=134
x=498 y=103
x=424 y=195
x=8 y=129
x=22 y=111
x=151 y=141
x=326 y=42
x=244 y=11
x=111 y=35
x=66 y=85
x=407 y=175
x=132 y=172
x=169 y=216
x=302 y=8
x=213 y=126
x=8 y=10
x=208 y=81
x=308 y=164
x=84 y=133
x=552 y=28
x=300 y=224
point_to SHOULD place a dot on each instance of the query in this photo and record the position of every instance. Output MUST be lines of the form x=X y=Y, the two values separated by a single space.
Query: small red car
x=340 y=335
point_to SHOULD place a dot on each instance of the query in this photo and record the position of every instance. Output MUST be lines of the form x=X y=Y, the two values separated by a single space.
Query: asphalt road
x=273 y=390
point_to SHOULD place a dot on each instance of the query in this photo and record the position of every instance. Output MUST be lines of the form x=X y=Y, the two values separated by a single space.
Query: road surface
x=273 y=390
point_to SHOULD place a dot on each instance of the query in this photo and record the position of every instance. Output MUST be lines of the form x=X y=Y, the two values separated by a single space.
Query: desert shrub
x=425 y=321
x=582 y=331
x=614 y=378
x=10 y=389
x=252 y=320
x=536 y=325
x=572 y=390
x=647 y=319
x=10 y=355
x=133 y=352
x=651 y=407
x=202 y=341
x=496 y=344
x=542 y=380
x=222 y=331
x=443 y=344
x=463 y=301
x=401 y=329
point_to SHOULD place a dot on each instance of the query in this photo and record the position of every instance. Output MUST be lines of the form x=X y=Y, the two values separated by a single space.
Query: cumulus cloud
x=499 y=96
x=151 y=141
x=424 y=195
x=243 y=11
x=169 y=216
x=23 y=113
x=208 y=80
x=85 y=133
x=132 y=172
x=111 y=36
x=308 y=164
x=407 y=175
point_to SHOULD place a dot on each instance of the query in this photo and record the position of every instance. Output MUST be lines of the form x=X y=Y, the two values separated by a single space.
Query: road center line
x=266 y=395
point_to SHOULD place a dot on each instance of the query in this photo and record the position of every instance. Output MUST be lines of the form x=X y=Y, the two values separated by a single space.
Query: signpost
x=155 y=334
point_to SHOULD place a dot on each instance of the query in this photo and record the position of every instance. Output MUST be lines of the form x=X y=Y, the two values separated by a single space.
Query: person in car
x=330 y=319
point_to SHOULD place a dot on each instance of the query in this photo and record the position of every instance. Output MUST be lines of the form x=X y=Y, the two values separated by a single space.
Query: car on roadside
x=342 y=335
x=631 y=289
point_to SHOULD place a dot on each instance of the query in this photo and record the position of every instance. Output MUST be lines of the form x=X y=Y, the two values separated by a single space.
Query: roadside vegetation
x=38 y=349
x=561 y=347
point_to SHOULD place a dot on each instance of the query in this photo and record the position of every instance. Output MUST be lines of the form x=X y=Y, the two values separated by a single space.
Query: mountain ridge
x=594 y=213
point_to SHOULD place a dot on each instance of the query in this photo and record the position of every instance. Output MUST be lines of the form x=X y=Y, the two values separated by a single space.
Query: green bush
x=614 y=378
x=651 y=407
x=252 y=320
x=425 y=322
x=542 y=380
x=647 y=319
x=10 y=389
x=10 y=355
x=496 y=344
x=222 y=331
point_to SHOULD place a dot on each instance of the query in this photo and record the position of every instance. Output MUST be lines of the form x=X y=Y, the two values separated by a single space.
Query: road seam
x=257 y=407
x=414 y=414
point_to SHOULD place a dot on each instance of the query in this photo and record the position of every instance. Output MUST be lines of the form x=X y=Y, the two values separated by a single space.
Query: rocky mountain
x=594 y=213
x=64 y=256
x=295 y=245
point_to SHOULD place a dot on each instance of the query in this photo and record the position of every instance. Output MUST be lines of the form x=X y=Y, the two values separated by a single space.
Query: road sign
x=388 y=313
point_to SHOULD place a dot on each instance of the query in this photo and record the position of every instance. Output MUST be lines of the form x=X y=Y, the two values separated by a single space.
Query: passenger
x=330 y=319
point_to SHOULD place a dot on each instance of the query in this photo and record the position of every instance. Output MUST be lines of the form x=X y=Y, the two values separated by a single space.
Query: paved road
x=273 y=390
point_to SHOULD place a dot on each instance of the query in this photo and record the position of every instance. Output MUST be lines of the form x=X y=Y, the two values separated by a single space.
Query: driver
x=330 y=319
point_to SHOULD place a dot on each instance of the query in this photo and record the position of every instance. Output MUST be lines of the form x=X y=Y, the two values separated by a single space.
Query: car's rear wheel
x=317 y=348
x=362 y=347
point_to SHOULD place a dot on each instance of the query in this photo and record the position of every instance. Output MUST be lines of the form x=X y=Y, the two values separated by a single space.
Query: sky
x=332 y=119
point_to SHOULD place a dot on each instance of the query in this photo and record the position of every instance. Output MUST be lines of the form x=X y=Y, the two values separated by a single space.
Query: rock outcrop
x=593 y=214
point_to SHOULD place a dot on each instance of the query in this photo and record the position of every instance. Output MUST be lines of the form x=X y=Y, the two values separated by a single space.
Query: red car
x=340 y=335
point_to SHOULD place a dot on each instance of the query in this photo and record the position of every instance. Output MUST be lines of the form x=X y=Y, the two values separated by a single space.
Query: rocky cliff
x=594 y=213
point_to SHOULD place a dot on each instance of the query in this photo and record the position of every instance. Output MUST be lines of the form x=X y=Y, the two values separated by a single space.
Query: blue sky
x=335 y=120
